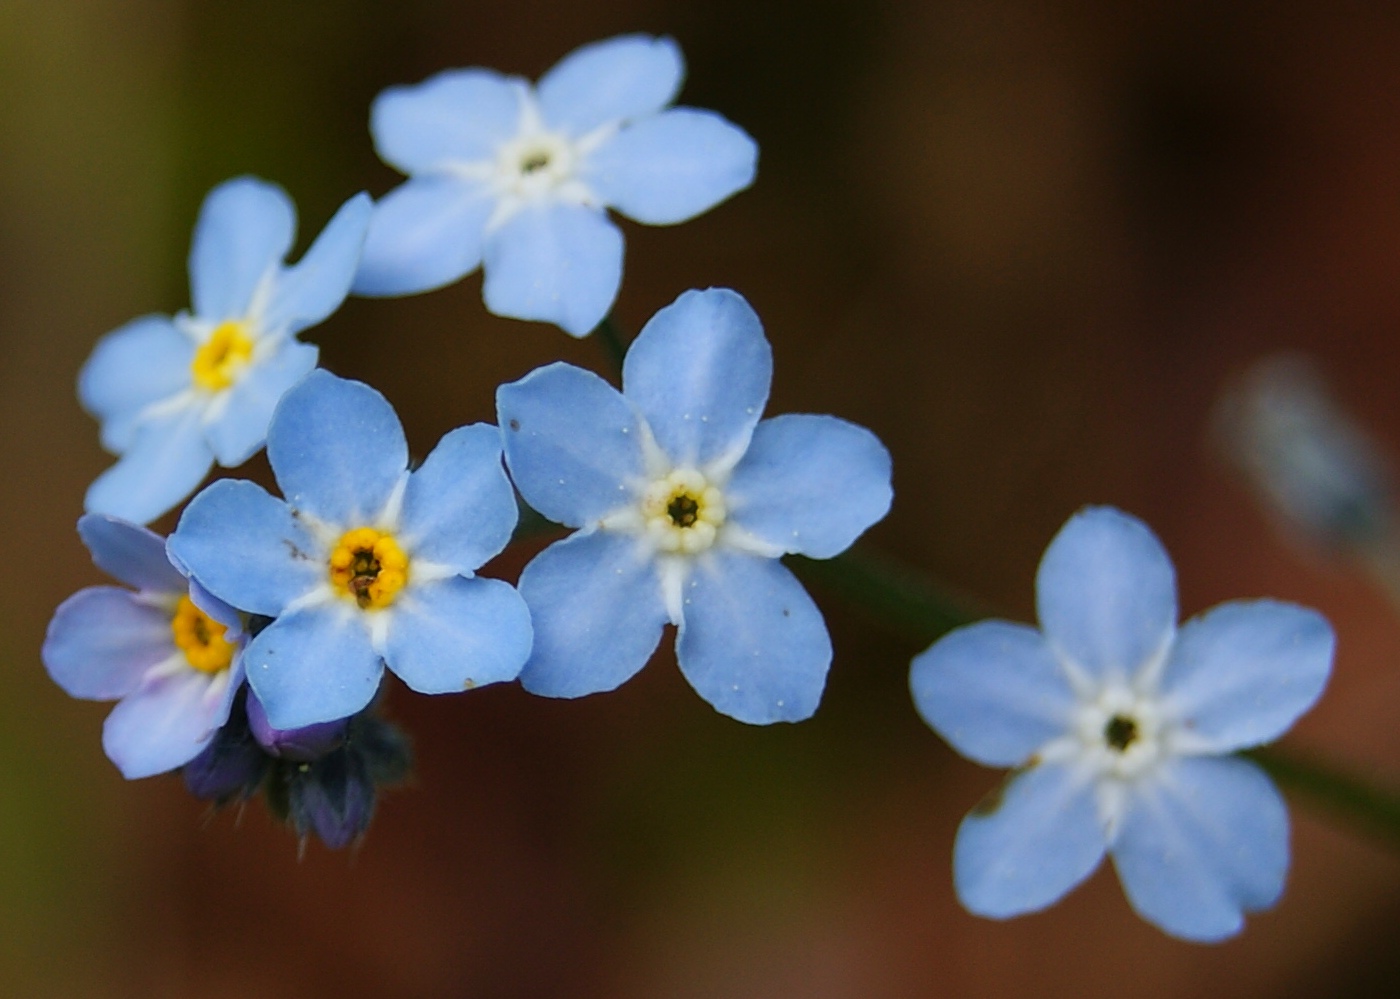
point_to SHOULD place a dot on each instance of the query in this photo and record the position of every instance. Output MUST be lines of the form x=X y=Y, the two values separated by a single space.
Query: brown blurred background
x=1025 y=242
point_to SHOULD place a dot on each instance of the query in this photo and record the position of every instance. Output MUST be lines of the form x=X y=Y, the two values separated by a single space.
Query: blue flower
x=174 y=395
x=168 y=652
x=684 y=502
x=518 y=178
x=364 y=563
x=1120 y=727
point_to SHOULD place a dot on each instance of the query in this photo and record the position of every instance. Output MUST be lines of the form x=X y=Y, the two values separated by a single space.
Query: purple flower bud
x=335 y=800
x=303 y=745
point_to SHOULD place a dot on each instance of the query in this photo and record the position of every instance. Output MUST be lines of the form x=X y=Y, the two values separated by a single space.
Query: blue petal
x=223 y=613
x=143 y=362
x=596 y=604
x=129 y=552
x=459 y=508
x=810 y=484
x=245 y=228
x=241 y=429
x=457 y=634
x=752 y=643
x=457 y=116
x=1032 y=841
x=1202 y=843
x=994 y=690
x=673 y=166
x=313 y=665
x=1106 y=592
x=554 y=262
x=425 y=233
x=306 y=294
x=699 y=373
x=613 y=80
x=337 y=449
x=102 y=640
x=1242 y=673
x=247 y=548
x=167 y=721
x=164 y=464
x=572 y=443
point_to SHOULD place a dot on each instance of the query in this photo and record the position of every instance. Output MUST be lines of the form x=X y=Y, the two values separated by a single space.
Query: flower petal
x=247 y=548
x=241 y=429
x=102 y=640
x=425 y=234
x=555 y=262
x=459 y=508
x=598 y=614
x=994 y=691
x=1204 y=842
x=313 y=665
x=810 y=484
x=1029 y=843
x=752 y=642
x=167 y=721
x=1106 y=593
x=571 y=442
x=245 y=229
x=699 y=373
x=337 y=449
x=457 y=116
x=1243 y=672
x=306 y=294
x=167 y=460
x=456 y=634
x=133 y=366
x=129 y=552
x=613 y=80
x=673 y=166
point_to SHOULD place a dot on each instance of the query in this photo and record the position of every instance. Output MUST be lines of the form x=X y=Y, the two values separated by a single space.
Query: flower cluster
x=682 y=501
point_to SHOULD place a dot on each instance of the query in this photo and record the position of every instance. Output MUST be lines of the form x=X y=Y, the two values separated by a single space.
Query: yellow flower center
x=683 y=512
x=200 y=638
x=220 y=359
x=368 y=567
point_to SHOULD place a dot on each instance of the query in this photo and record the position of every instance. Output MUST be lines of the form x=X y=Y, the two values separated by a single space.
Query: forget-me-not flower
x=684 y=502
x=175 y=394
x=518 y=179
x=1121 y=728
x=167 y=651
x=363 y=563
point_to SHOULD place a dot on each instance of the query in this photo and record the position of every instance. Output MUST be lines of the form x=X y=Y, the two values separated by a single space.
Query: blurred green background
x=1025 y=242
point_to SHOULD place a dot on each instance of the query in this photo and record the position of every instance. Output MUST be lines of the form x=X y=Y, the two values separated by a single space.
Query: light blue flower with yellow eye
x=518 y=179
x=166 y=650
x=175 y=394
x=364 y=564
x=1121 y=728
x=684 y=503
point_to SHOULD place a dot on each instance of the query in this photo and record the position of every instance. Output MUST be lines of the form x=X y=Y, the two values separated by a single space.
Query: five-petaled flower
x=1121 y=727
x=364 y=563
x=174 y=395
x=168 y=651
x=684 y=502
x=518 y=178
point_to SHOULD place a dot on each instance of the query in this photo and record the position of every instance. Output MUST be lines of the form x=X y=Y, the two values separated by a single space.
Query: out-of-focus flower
x=1120 y=727
x=364 y=563
x=685 y=501
x=174 y=395
x=518 y=179
x=1310 y=461
x=167 y=652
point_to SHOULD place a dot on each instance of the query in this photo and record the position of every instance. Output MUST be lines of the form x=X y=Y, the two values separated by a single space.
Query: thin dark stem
x=613 y=341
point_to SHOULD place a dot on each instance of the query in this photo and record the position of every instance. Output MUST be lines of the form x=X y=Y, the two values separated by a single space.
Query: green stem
x=613 y=341
x=1374 y=809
